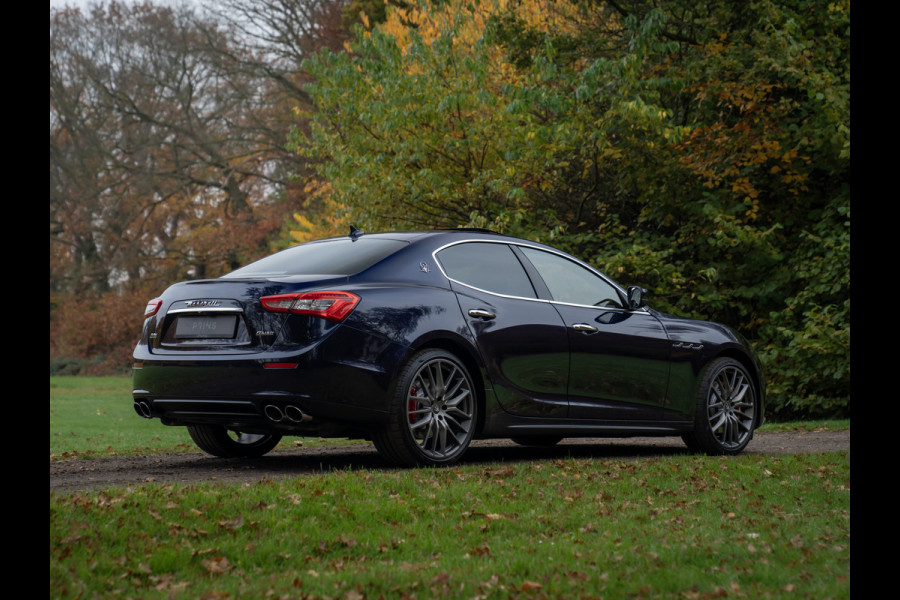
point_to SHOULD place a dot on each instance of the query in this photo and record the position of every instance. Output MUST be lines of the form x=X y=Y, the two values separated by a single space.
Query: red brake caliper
x=413 y=405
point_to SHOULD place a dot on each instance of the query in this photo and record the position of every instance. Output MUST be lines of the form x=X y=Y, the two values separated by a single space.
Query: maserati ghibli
x=424 y=341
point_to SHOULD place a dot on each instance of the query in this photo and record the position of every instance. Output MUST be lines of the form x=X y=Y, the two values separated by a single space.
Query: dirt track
x=77 y=475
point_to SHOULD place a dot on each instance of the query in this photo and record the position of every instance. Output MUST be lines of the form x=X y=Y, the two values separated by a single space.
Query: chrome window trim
x=472 y=287
x=615 y=285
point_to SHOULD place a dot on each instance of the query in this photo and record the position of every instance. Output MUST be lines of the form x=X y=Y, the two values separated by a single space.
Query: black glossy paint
x=638 y=373
x=525 y=350
x=621 y=371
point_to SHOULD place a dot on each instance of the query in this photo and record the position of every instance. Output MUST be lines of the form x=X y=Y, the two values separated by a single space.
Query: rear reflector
x=331 y=305
x=280 y=365
x=152 y=307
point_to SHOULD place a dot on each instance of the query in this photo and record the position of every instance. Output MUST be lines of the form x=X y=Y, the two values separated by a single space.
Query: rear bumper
x=310 y=391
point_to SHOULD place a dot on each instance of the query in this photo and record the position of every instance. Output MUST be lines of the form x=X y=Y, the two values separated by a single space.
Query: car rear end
x=263 y=350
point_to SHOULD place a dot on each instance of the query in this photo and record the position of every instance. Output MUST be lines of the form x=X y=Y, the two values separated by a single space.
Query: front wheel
x=227 y=443
x=726 y=409
x=433 y=412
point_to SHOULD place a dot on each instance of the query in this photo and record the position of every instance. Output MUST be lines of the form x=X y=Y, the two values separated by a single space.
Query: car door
x=522 y=339
x=619 y=358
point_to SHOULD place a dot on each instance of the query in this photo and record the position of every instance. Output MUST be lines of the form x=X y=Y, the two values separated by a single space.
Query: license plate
x=211 y=327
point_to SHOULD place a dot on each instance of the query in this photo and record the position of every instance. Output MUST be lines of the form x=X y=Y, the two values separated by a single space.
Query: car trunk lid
x=226 y=316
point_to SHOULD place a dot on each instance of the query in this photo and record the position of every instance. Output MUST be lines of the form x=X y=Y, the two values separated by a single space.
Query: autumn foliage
x=167 y=156
x=699 y=149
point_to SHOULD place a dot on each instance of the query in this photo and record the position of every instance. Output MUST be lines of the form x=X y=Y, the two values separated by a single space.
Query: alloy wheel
x=440 y=409
x=730 y=407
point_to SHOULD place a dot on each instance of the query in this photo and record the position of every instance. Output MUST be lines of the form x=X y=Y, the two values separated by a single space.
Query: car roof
x=463 y=233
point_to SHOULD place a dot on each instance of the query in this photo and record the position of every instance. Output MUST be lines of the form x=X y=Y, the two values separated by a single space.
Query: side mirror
x=635 y=297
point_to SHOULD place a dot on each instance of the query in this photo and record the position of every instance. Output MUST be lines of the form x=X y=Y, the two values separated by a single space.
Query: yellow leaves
x=753 y=211
x=743 y=187
x=431 y=23
x=325 y=217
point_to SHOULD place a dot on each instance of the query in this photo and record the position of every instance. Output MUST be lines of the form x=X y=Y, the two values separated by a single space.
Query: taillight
x=152 y=307
x=334 y=306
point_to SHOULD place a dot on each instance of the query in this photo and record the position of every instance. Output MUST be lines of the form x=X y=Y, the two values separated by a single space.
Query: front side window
x=571 y=282
x=486 y=266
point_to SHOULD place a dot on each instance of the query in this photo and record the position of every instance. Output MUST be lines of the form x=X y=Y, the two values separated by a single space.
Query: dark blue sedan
x=422 y=342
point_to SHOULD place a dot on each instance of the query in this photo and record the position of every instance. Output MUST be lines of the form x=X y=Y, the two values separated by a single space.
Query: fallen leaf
x=217 y=565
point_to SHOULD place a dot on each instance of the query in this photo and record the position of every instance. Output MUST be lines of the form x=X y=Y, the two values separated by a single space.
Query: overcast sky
x=83 y=3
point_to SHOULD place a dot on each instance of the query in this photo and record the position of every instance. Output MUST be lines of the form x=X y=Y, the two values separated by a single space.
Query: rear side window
x=486 y=266
x=342 y=256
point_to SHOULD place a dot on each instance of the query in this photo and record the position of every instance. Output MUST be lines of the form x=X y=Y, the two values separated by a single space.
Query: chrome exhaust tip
x=295 y=414
x=273 y=413
x=143 y=409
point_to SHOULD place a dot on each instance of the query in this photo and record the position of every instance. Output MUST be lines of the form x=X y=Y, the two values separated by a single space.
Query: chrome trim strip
x=543 y=249
x=206 y=309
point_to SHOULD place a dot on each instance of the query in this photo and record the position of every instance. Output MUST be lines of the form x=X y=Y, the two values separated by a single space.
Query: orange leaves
x=747 y=159
x=482 y=550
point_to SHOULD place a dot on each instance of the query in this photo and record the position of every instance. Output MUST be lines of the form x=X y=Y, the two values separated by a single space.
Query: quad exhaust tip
x=274 y=413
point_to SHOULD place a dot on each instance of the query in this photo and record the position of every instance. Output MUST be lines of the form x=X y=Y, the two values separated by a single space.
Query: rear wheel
x=228 y=443
x=433 y=412
x=726 y=409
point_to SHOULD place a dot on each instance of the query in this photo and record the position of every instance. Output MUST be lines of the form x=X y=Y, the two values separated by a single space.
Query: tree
x=699 y=149
x=167 y=145
x=166 y=122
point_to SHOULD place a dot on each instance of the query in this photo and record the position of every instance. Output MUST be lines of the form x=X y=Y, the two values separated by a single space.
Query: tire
x=227 y=443
x=726 y=409
x=538 y=440
x=433 y=412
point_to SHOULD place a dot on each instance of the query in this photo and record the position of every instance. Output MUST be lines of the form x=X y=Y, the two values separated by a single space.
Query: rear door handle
x=480 y=313
x=584 y=327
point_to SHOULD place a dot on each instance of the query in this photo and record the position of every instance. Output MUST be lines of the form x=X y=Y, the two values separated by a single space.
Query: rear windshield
x=342 y=256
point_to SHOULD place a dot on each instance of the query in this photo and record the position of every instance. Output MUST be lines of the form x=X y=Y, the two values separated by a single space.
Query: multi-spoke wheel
x=227 y=443
x=726 y=409
x=433 y=413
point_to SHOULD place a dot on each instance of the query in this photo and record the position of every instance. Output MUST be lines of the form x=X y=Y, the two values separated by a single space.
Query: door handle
x=480 y=313
x=585 y=328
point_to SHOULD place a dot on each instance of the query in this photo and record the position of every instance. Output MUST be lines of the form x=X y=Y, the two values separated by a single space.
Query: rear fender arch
x=465 y=351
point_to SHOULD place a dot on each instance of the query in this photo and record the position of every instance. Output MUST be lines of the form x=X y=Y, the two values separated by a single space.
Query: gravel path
x=76 y=475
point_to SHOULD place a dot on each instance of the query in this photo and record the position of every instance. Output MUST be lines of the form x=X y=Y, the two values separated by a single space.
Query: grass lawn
x=93 y=417
x=670 y=527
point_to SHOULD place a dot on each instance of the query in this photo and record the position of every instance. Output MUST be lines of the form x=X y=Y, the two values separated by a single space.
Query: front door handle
x=585 y=328
x=480 y=313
